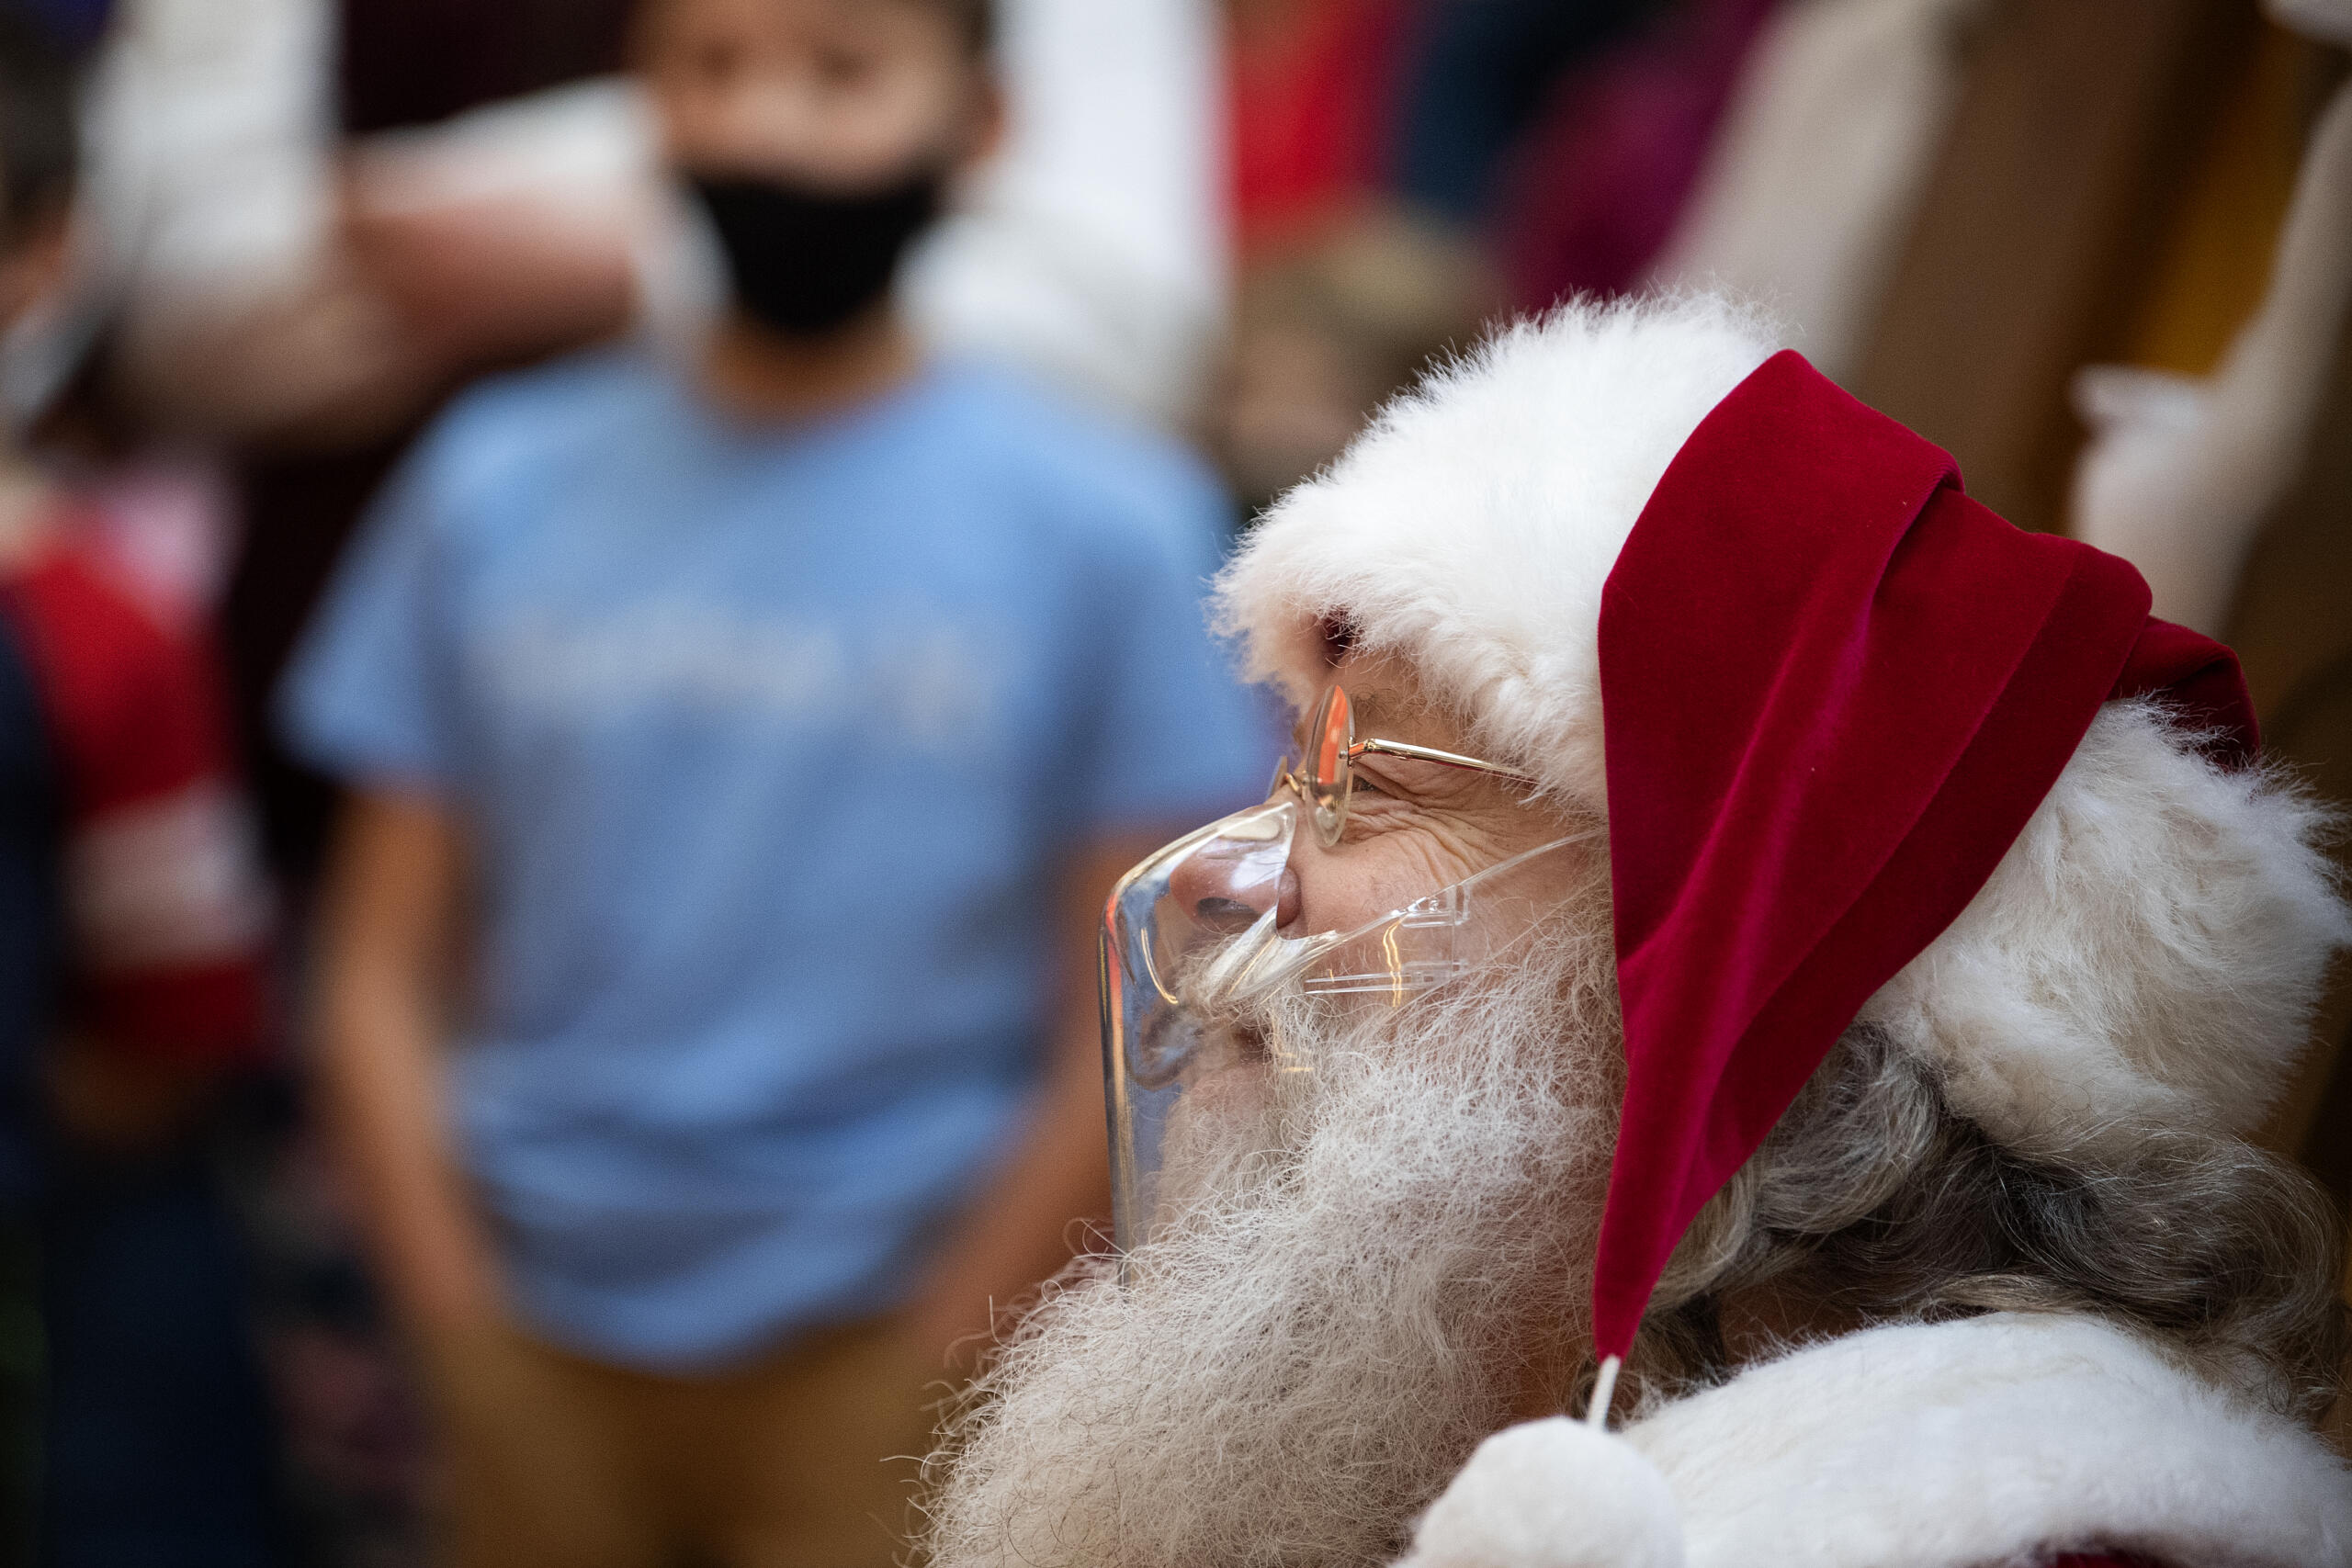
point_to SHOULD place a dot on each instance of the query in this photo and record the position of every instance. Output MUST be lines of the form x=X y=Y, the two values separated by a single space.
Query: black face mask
x=805 y=263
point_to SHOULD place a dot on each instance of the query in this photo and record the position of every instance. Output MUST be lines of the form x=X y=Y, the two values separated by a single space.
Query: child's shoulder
x=524 y=420
x=1053 y=449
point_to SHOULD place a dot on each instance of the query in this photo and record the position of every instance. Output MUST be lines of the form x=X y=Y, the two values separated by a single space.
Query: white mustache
x=1247 y=966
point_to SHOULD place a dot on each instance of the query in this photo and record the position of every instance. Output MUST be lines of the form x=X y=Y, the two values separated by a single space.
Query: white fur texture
x=1552 y=1493
x=2149 y=951
x=1989 y=1441
x=1473 y=525
x=2151 y=947
x=2001 y=1439
x=1327 y=1316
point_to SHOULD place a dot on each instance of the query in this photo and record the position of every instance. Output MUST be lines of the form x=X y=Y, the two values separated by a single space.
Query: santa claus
x=1731 y=1040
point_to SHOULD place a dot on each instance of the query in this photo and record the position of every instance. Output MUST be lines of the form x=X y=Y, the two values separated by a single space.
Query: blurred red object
x=1312 y=86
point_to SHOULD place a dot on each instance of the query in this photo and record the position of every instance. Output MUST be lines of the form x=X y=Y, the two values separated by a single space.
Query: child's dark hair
x=39 y=139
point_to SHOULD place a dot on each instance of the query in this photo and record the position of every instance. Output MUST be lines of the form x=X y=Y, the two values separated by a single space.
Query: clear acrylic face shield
x=1191 y=940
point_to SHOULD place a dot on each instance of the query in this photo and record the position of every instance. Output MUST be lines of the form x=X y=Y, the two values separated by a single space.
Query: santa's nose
x=1228 y=885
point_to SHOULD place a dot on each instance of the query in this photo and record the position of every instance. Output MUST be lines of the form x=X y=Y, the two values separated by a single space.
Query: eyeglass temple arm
x=1431 y=754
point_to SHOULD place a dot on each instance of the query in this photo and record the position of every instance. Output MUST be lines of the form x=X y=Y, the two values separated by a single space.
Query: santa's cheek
x=1357 y=884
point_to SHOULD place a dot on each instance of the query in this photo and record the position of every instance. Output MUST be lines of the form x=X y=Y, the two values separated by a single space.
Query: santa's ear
x=1338 y=635
x=1553 y=1494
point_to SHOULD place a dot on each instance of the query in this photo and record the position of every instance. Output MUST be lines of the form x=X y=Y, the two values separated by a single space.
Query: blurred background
x=2099 y=249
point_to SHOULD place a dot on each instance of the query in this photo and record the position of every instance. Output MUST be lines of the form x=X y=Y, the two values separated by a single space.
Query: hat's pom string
x=1604 y=1388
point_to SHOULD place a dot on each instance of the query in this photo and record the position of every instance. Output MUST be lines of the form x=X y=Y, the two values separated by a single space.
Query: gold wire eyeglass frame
x=1328 y=776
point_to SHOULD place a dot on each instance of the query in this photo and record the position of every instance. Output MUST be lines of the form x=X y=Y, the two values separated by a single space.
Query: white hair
x=1330 y=1319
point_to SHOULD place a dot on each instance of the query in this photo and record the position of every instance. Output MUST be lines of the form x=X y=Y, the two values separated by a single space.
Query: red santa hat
x=1866 y=753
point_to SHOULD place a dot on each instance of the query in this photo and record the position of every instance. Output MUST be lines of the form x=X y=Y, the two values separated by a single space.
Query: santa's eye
x=1365 y=783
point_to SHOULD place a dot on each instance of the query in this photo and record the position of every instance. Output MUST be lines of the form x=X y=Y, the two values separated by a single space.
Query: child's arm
x=391 y=922
x=1024 y=1224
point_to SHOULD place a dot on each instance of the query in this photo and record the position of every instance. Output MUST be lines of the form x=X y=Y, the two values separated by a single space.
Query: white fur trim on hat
x=1552 y=1493
x=1471 y=528
x=2001 y=1439
x=2149 y=952
x=2151 y=948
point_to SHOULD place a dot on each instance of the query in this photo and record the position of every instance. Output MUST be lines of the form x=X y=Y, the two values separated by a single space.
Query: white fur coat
x=2000 y=1440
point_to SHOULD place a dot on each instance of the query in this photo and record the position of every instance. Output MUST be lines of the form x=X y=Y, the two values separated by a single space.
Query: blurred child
x=741 y=752
x=132 y=924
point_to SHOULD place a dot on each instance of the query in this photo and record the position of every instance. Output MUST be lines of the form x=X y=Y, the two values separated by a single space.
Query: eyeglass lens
x=1329 y=736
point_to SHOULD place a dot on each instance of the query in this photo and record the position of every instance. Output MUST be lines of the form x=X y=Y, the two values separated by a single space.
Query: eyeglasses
x=1326 y=777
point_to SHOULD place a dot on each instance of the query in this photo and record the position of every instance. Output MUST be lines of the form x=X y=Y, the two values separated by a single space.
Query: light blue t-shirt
x=768 y=741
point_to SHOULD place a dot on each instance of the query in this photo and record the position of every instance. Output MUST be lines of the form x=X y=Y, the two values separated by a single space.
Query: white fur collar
x=2001 y=1439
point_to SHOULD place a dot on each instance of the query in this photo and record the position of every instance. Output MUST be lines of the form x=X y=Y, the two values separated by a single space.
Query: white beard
x=1339 y=1310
